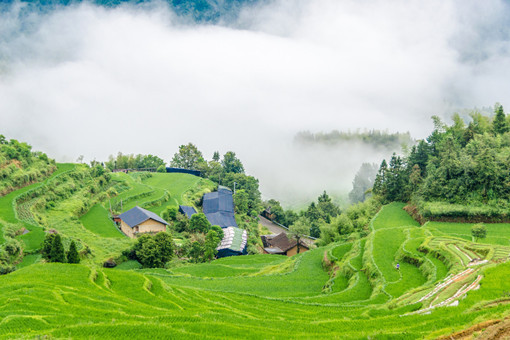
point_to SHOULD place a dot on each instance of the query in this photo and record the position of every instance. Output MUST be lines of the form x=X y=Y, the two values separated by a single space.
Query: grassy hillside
x=259 y=295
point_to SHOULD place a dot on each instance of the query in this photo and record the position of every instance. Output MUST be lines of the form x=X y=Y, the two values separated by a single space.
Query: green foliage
x=199 y=223
x=131 y=161
x=188 y=157
x=241 y=201
x=57 y=253
x=72 y=254
x=298 y=230
x=499 y=124
x=232 y=164
x=47 y=245
x=210 y=245
x=154 y=251
x=170 y=213
x=457 y=165
x=479 y=231
x=218 y=231
x=19 y=166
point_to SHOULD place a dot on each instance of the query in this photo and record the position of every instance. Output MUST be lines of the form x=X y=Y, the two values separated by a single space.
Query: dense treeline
x=227 y=171
x=461 y=170
x=376 y=138
x=132 y=161
x=20 y=166
x=325 y=220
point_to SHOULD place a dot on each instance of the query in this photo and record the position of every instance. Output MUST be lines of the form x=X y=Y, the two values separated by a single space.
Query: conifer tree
x=47 y=244
x=57 y=253
x=499 y=124
x=72 y=255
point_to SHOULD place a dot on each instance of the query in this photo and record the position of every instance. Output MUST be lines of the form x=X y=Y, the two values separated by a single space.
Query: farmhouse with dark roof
x=281 y=244
x=218 y=208
x=139 y=220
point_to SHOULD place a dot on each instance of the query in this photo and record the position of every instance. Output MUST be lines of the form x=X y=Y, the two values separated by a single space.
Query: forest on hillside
x=460 y=171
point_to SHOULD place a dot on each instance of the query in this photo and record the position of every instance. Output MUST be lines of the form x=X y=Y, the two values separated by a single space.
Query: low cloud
x=88 y=80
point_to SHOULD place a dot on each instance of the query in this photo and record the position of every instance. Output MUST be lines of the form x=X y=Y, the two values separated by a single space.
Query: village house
x=282 y=245
x=138 y=221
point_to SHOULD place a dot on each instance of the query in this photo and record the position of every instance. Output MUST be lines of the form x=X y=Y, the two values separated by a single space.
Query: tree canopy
x=188 y=157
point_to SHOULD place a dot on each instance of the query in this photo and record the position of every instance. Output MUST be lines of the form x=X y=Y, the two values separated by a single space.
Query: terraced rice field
x=259 y=296
x=497 y=233
x=98 y=221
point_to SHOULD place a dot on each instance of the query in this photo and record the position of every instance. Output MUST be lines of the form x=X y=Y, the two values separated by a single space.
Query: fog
x=86 y=80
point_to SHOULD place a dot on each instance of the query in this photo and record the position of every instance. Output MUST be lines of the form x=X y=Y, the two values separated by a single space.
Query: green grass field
x=392 y=215
x=497 y=233
x=98 y=221
x=255 y=296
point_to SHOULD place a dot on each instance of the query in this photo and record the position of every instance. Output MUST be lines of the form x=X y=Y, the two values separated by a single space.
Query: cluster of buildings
x=218 y=207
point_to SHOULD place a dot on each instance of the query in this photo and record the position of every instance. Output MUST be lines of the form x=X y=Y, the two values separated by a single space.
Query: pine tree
x=72 y=255
x=47 y=244
x=57 y=253
x=499 y=124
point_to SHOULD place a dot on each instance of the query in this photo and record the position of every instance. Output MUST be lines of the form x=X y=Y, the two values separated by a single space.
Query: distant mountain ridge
x=202 y=11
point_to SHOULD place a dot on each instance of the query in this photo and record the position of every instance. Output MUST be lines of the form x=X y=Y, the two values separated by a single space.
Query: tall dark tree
x=232 y=164
x=499 y=124
x=380 y=186
x=57 y=253
x=72 y=254
x=216 y=156
x=47 y=244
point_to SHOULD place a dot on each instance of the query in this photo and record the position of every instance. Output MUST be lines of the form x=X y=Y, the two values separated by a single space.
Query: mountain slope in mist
x=210 y=11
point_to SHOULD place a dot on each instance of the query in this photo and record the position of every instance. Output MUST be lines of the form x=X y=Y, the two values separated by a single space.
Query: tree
x=170 y=213
x=57 y=253
x=499 y=124
x=216 y=156
x=363 y=181
x=196 y=252
x=211 y=243
x=232 y=164
x=478 y=231
x=343 y=224
x=187 y=157
x=146 y=251
x=165 y=246
x=299 y=230
x=72 y=254
x=241 y=202
x=161 y=168
x=326 y=207
x=47 y=244
x=199 y=223
x=218 y=231
x=154 y=251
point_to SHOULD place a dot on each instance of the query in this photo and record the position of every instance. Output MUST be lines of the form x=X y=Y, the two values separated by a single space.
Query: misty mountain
x=203 y=11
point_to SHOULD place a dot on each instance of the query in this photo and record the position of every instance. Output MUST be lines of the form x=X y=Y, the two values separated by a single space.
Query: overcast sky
x=85 y=80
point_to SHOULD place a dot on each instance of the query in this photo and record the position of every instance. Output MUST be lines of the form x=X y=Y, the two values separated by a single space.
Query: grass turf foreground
x=77 y=301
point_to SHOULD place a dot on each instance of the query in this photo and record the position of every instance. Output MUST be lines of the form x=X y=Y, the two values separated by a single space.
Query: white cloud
x=94 y=81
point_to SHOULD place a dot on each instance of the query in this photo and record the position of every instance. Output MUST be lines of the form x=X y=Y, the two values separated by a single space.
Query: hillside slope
x=258 y=296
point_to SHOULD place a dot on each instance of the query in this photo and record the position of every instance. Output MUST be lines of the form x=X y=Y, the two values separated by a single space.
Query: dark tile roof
x=187 y=210
x=218 y=207
x=282 y=242
x=137 y=215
